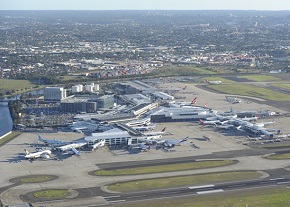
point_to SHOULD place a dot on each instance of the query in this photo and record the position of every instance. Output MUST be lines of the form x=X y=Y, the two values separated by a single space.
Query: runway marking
x=116 y=201
x=137 y=196
x=170 y=193
x=277 y=179
x=210 y=191
x=112 y=196
x=201 y=186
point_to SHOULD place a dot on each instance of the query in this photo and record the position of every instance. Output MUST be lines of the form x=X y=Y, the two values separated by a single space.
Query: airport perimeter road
x=196 y=190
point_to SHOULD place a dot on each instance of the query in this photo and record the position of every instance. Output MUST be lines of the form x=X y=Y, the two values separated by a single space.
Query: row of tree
x=15 y=108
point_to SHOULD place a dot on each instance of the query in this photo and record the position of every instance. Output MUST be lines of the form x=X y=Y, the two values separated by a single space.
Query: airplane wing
x=75 y=151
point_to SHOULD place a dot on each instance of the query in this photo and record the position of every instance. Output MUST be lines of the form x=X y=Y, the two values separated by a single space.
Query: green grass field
x=51 y=194
x=250 y=90
x=266 y=197
x=261 y=78
x=37 y=179
x=9 y=137
x=283 y=156
x=182 y=70
x=140 y=185
x=165 y=168
x=282 y=85
x=15 y=84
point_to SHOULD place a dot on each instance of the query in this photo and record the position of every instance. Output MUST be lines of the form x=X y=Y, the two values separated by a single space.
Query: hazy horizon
x=260 y=5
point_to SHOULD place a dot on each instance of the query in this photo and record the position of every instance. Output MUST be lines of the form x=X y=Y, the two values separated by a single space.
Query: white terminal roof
x=110 y=134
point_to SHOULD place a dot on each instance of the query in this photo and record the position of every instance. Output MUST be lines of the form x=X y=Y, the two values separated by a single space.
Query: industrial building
x=106 y=101
x=54 y=94
x=78 y=105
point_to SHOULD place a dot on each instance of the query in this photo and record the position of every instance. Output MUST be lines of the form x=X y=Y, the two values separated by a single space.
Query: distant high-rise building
x=77 y=88
x=89 y=88
x=54 y=94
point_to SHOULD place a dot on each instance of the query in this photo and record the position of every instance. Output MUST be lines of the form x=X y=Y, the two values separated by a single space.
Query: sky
x=144 y=4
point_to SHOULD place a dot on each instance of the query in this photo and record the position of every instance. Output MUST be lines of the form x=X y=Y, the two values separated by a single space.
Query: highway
x=195 y=190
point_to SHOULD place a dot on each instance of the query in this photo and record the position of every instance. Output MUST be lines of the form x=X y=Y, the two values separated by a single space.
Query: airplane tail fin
x=200 y=121
x=40 y=138
x=26 y=152
x=184 y=139
x=193 y=101
x=205 y=105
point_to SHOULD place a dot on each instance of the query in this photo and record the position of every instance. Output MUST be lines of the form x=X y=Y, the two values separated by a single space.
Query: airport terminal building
x=181 y=114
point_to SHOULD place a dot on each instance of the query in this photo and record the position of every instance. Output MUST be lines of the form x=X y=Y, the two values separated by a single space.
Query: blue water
x=6 y=124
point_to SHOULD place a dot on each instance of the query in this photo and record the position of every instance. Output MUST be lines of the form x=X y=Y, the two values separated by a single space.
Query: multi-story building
x=54 y=94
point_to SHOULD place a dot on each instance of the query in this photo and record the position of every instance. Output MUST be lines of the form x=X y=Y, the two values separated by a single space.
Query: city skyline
x=144 y=5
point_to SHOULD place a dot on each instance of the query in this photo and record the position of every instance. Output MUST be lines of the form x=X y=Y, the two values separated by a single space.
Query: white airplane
x=173 y=142
x=233 y=100
x=262 y=124
x=43 y=154
x=224 y=126
x=150 y=139
x=212 y=122
x=100 y=144
x=72 y=147
x=51 y=141
x=162 y=132
x=144 y=128
x=142 y=146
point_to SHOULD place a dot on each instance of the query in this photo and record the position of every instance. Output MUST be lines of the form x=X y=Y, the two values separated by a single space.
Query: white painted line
x=117 y=201
x=201 y=186
x=170 y=193
x=137 y=196
x=112 y=196
x=277 y=179
x=283 y=183
x=210 y=191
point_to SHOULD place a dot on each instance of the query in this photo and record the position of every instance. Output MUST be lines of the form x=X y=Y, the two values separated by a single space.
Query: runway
x=196 y=190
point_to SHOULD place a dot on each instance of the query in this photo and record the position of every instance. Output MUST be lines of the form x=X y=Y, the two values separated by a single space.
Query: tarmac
x=73 y=170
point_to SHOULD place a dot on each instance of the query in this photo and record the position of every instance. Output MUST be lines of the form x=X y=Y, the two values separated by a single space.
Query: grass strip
x=146 y=184
x=165 y=168
x=250 y=90
x=261 y=78
x=8 y=138
x=283 y=156
x=51 y=194
x=37 y=179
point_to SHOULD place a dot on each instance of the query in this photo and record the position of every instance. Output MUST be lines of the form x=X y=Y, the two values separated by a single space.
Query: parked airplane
x=51 y=141
x=213 y=82
x=72 y=147
x=142 y=146
x=183 y=103
x=100 y=144
x=43 y=154
x=173 y=142
x=262 y=124
x=144 y=128
x=162 y=132
x=233 y=100
x=212 y=122
x=224 y=126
